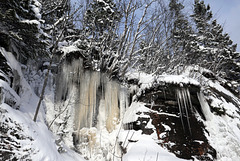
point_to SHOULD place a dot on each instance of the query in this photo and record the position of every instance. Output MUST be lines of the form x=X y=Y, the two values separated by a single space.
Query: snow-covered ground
x=146 y=148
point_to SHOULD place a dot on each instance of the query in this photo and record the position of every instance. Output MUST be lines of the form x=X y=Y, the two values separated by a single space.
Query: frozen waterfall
x=98 y=105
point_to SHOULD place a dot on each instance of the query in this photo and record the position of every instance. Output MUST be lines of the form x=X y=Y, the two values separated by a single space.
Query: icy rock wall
x=97 y=103
x=10 y=87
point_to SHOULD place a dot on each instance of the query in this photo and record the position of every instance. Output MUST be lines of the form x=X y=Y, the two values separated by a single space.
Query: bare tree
x=57 y=36
x=55 y=47
x=129 y=39
x=152 y=27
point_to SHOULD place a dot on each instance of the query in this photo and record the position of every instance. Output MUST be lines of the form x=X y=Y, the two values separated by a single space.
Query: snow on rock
x=143 y=78
x=43 y=143
x=9 y=93
x=130 y=114
x=177 y=79
x=147 y=80
x=223 y=131
x=69 y=49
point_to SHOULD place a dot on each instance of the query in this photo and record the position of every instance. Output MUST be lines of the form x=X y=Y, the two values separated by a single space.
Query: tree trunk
x=43 y=91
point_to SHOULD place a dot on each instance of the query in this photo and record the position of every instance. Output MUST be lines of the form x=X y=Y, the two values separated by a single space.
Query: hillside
x=166 y=117
x=113 y=80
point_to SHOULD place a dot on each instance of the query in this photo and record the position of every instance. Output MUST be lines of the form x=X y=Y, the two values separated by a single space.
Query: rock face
x=176 y=115
x=13 y=137
x=5 y=70
x=10 y=82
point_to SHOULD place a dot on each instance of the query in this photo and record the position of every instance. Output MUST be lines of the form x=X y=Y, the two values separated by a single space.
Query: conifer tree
x=201 y=17
x=52 y=10
x=181 y=36
x=101 y=21
x=215 y=49
x=20 y=28
x=225 y=58
x=102 y=17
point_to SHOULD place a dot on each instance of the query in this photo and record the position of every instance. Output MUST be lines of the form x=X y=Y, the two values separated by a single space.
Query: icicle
x=101 y=115
x=86 y=104
x=123 y=101
x=112 y=107
x=184 y=104
x=164 y=93
x=152 y=104
x=190 y=101
x=180 y=106
x=185 y=100
x=188 y=96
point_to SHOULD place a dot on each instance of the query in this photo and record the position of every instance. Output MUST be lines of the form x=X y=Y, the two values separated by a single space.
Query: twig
x=60 y=112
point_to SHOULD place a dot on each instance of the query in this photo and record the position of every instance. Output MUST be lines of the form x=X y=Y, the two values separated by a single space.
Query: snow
x=36 y=9
x=142 y=147
x=177 y=79
x=31 y=22
x=167 y=128
x=8 y=91
x=224 y=133
x=143 y=78
x=218 y=87
x=147 y=80
x=36 y=22
x=145 y=148
x=130 y=114
x=4 y=76
x=69 y=49
x=43 y=145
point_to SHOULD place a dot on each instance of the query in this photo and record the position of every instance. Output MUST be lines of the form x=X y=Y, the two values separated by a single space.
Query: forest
x=102 y=79
x=115 y=36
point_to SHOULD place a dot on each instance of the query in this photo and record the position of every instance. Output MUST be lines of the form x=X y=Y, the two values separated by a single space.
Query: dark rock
x=5 y=70
x=186 y=139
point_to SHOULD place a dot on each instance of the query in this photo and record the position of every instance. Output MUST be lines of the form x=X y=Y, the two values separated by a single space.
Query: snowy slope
x=224 y=130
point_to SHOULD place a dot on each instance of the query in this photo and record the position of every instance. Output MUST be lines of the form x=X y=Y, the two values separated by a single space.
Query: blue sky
x=227 y=12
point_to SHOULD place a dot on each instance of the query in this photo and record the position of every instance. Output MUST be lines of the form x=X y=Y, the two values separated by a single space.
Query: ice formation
x=184 y=104
x=98 y=102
